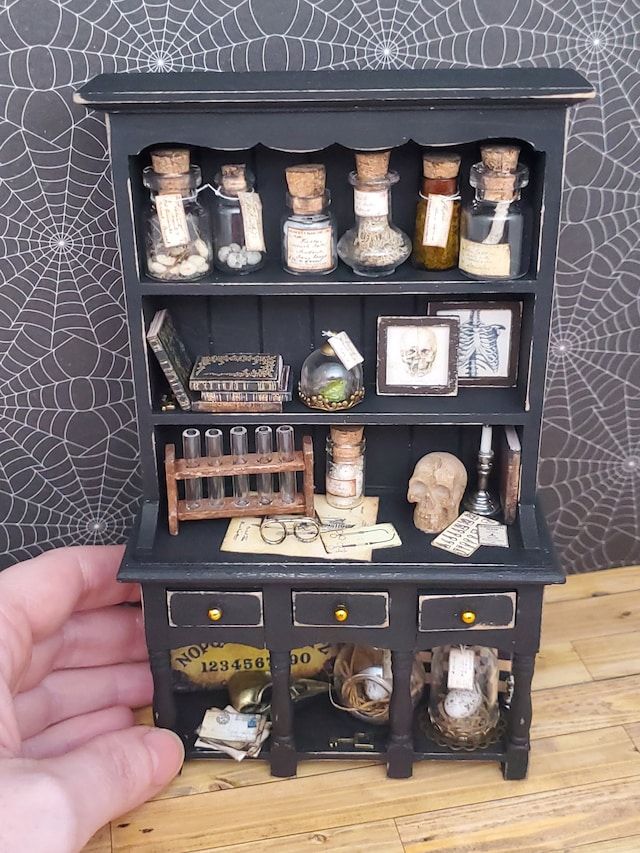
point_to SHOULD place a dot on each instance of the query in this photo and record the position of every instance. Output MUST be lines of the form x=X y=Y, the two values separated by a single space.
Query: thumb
x=114 y=773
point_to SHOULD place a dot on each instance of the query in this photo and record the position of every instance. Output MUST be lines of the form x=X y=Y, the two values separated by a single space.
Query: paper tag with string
x=172 y=219
x=251 y=208
x=461 y=669
x=344 y=348
x=437 y=220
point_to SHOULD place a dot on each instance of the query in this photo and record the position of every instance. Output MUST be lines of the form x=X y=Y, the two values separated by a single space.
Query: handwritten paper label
x=496 y=536
x=309 y=250
x=251 y=208
x=371 y=203
x=172 y=220
x=437 y=221
x=484 y=259
x=461 y=537
x=461 y=669
x=343 y=347
x=345 y=479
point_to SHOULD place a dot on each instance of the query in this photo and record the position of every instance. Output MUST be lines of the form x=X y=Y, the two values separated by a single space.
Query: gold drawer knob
x=215 y=614
x=468 y=617
x=341 y=613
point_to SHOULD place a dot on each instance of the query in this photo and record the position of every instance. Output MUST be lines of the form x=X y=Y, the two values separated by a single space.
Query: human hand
x=72 y=666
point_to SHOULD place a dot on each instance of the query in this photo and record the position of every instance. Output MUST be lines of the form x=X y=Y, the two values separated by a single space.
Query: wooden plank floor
x=582 y=793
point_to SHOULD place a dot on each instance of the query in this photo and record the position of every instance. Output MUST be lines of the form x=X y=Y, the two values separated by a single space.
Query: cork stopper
x=234 y=178
x=500 y=158
x=170 y=161
x=372 y=165
x=442 y=165
x=499 y=186
x=307 y=180
x=346 y=434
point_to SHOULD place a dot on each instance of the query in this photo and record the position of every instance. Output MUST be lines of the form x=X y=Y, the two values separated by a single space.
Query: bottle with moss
x=325 y=383
x=437 y=232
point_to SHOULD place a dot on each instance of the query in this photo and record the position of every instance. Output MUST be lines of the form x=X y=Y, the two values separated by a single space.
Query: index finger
x=38 y=596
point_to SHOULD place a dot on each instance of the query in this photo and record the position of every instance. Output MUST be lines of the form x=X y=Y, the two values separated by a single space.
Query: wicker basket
x=350 y=684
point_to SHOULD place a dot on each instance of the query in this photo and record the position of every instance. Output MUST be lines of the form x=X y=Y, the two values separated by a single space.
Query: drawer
x=351 y=609
x=197 y=609
x=467 y=612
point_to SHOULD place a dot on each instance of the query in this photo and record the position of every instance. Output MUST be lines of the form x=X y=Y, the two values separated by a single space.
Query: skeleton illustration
x=418 y=357
x=478 y=354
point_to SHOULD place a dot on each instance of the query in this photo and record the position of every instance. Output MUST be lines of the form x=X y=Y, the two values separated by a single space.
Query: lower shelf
x=315 y=724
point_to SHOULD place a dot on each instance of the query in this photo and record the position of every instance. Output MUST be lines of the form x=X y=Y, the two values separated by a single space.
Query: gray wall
x=67 y=435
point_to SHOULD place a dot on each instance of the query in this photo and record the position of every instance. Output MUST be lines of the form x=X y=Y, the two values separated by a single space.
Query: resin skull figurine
x=436 y=487
x=418 y=358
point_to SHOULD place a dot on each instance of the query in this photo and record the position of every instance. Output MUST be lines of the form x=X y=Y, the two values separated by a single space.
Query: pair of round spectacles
x=275 y=530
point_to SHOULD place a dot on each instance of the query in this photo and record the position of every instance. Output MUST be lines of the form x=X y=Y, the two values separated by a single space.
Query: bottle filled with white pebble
x=231 y=254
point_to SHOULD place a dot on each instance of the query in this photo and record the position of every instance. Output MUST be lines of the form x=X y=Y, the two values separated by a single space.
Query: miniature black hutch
x=410 y=598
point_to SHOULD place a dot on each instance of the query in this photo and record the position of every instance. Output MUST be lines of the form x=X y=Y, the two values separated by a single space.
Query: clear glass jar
x=345 y=467
x=437 y=229
x=495 y=230
x=325 y=383
x=177 y=228
x=463 y=697
x=309 y=236
x=231 y=253
x=374 y=246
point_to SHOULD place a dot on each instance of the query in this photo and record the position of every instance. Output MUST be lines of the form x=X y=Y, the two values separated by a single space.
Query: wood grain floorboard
x=581 y=795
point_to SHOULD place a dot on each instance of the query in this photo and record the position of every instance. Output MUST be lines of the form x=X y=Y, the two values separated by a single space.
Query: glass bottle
x=214 y=447
x=437 y=231
x=344 y=485
x=463 y=697
x=286 y=450
x=239 y=451
x=264 y=452
x=177 y=241
x=237 y=222
x=325 y=383
x=191 y=451
x=309 y=230
x=374 y=246
x=495 y=231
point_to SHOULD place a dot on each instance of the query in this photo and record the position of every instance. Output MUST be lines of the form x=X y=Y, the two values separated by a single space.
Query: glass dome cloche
x=325 y=383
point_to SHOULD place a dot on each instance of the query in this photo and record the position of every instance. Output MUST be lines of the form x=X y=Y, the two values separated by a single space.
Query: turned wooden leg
x=283 y=750
x=164 y=707
x=400 y=749
x=519 y=722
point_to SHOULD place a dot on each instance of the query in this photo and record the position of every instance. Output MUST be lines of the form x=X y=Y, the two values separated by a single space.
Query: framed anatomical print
x=489 y=340
x=417 y=355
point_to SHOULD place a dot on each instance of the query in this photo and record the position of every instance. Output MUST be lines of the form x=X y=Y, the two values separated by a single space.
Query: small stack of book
x=240 y=382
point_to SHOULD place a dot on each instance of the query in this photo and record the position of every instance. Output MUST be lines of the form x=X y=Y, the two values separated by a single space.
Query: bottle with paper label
x=331 y=377
x=437 y=231
x=308 y=229
x=344 y=484
x=374 y=247
x=495 y=228
x=463 y=698
x=177 y=233
x=239 y=246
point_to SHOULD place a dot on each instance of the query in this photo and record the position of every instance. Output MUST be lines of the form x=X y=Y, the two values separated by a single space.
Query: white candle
x=485 y=441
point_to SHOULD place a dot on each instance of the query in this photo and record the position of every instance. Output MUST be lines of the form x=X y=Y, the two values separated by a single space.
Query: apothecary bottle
x=345 y=455
x=325 y=383
x=495 y=231
x=177 y=228
x=237 y=222
x=308 y=229
x=374 y=246
x=463 y=697
x=437 y=229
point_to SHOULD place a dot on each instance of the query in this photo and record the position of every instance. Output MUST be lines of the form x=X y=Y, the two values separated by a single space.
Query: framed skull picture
x=417 y=355
x=489 y=340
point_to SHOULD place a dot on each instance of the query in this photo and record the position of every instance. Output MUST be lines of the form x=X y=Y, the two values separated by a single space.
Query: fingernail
x=166 y=757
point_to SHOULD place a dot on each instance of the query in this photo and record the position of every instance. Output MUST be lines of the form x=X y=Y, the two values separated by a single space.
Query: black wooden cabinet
x=407 y=599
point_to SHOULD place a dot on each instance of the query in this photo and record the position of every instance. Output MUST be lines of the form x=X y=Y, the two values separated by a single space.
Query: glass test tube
x=286 y=450
x=239 y=451
x=214 y=447
x=191 y=451
x=264 y=450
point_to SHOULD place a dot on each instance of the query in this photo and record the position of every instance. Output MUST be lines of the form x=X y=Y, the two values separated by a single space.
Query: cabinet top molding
x=206 y=90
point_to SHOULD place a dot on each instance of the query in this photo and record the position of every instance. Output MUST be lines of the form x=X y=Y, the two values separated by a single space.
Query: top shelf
x=272 y=280
x=204 y=90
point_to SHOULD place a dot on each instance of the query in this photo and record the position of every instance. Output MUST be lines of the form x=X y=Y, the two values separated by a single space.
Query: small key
x=360 y=741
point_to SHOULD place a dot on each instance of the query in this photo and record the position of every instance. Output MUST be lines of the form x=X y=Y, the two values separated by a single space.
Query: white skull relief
x=436 y=487
x=419 y=351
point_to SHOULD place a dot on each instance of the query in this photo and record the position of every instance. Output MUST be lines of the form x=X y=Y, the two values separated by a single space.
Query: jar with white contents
x=345 y=466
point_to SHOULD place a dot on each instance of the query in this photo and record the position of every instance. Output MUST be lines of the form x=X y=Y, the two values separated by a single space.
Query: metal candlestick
x=482 y=502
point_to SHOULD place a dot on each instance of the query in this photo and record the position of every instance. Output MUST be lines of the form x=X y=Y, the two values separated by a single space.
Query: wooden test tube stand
x=177 y=469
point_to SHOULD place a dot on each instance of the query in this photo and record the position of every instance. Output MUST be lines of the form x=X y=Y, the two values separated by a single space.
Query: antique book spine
x=237 y=396
x=181 y=394
x=233 y=385
x=510 y=474
x=210 y=406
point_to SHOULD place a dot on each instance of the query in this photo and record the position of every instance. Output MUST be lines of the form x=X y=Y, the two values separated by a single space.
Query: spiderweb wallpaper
x=67 y=433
